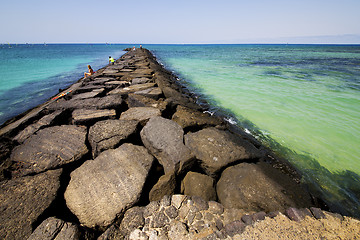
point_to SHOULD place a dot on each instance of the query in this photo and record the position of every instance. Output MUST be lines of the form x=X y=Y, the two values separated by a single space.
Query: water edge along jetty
x=128 y=154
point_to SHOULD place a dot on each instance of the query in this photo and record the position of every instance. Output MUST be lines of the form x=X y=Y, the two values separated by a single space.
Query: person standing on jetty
x=111 y=60
x=91 y=71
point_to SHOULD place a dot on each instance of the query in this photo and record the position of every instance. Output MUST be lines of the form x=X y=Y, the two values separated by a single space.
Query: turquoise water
x=301 y=100
x=31 y=73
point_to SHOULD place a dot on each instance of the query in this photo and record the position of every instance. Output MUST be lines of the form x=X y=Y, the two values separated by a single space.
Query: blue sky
x=196 y=21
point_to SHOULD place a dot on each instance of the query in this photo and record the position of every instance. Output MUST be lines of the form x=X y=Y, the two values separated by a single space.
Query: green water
x=301 y=100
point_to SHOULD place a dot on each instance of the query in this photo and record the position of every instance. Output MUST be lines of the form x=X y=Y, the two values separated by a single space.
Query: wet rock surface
x=124 y=143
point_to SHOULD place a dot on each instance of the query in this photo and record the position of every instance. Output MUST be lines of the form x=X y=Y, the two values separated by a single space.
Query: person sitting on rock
x=91 y=71
x=111 y=60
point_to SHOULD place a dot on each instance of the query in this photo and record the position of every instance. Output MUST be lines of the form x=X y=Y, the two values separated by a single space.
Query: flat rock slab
x=187 y=117
x=80 y=116
x=135 y=100
x=90 y=103
x=116 y=83
x=259 y=187
x=23 y=200
x=132 y=88
x=100 y=80
x=50 y=148
x=140 y=114
x=140 y=80
x=164 y=139
x=57 y=229
x=217 y=148
x=154 y=92
x=91 y=94
x=102 y=188
x=108 y=134
x=31 y=129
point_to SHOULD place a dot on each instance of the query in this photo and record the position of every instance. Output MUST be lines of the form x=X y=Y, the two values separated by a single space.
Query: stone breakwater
x=127 y=153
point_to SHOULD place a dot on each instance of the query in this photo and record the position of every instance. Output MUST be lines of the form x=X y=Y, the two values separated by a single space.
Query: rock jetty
x=127 y=153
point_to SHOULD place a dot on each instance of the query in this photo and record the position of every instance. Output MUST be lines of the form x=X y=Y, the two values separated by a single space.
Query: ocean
x=302 y=101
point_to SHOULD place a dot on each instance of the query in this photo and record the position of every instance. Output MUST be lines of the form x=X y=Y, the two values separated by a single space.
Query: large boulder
x=108 y=134
x=259 y=187
x=54 y=228
x=50 y=148
x=217 y=148
x=197 y=184
x=187 y=117
x=101 y=189
x=164 y=139
x=164 y=187
x=141 y=114
x=24 y=200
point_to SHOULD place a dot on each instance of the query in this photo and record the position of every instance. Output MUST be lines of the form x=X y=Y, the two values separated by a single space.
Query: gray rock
x=133 y=219
x=91 y=94
x=108 y=134
x=23 y=200
x=165 y=186
x=259 y=187
x=178 y=230
x=164 y=139
x=216 y=149
x=140 y=80
x=31 y=129
x=81 y=116
x=135 y=100
x=132 y=88
x=102 y=188
x=215 y=207
x=50 y=148
x=187 y=117
x=106 y=102
x=53 y=228
x=197 y=184
x=236 y=227
x=112 y=233
x=154 y=92
x=140 y=114
x=317 y=212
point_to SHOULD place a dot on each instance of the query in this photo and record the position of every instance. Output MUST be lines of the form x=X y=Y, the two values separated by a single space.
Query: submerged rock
x=23 y=200
x=259 y=187
x=101 y=189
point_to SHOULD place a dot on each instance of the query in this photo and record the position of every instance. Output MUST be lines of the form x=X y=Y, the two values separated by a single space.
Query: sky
x=186 y=21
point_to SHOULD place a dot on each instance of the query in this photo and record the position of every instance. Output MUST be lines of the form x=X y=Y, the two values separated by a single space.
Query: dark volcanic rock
x=197 y=184
x=164 y=139
x=50 y=148
x=140 y=80
x=31 y=129
x=187 y=117
x=217 y=149
x=135 y=100
x=140 y=114
x=164 y=187
x=23 y=200
x=154 y=92
x=259 y=187
x=81 y=116
x=133 y=219
x=91 y=94
x=102 y=188
x=107 y=134
x=53 y=228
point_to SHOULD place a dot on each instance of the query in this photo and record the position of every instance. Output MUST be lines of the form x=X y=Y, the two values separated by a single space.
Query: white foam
x=230 y=120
